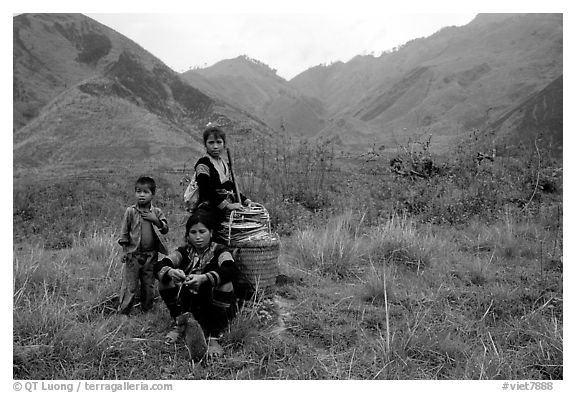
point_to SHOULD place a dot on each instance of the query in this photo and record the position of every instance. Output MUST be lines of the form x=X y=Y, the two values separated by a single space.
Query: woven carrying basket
x=258 y=261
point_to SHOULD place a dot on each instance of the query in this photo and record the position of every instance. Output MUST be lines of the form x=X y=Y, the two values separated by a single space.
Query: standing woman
x=216 y=189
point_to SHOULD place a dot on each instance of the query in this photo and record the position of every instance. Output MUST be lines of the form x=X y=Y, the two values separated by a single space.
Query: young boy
x=141 y=239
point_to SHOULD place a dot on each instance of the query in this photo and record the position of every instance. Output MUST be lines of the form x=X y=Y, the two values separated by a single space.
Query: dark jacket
x=214 y=303
x=217 y=263
x=213 y=192
x=131 y=231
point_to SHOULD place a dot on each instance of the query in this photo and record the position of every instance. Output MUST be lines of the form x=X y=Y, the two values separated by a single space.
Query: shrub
x=289 y=171
x=94 y=47
x=456 y=187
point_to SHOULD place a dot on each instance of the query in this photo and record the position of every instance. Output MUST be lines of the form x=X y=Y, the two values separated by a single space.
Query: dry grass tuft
x=334 y=250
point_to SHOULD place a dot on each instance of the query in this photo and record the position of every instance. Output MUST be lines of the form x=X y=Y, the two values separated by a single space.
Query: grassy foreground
x=411 y=266
x=396 y=301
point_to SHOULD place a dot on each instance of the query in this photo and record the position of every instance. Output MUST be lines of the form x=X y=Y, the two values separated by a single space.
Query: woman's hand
x=177 y=275
x=194 y=281
x=235 y=206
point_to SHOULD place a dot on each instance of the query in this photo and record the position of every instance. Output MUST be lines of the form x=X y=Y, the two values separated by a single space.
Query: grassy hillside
x=85 y=130
x=442 y=269
x=53 y=52
x=86 y=94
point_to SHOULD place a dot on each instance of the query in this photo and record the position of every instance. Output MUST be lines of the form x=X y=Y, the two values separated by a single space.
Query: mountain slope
x=87 y=130
x=84 y=93
x=457 y=79
x=255 y=87
x=53 y=52
x=540 y=116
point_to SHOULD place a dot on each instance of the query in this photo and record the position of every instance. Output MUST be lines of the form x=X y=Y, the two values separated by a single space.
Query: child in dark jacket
x=212 y=173
x=141 y=239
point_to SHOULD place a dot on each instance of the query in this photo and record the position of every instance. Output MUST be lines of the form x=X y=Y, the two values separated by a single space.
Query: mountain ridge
x=70 y=69
x=470 y=71
x=459 y=78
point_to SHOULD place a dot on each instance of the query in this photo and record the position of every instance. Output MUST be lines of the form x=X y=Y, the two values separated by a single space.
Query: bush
x=288 y=171
x=457 y=187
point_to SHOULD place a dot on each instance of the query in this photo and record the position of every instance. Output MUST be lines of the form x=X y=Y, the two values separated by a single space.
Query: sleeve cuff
x=225 y=256
x=214 y=278
x=223 y=204
x=162 y=274
x=164 y=227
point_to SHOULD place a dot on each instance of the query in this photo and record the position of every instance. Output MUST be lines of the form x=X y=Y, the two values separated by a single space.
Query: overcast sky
x=288 y=42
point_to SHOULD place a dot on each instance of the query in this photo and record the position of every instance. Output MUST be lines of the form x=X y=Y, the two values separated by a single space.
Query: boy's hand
x=150 y=216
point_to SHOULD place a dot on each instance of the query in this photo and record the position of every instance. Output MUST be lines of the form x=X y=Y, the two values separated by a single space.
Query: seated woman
x=215 y=186
x=195 y=283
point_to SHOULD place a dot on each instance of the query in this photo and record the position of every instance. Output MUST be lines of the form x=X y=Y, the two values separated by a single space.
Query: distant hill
x=86 y=95
x=455 y=80
x=255 y=87
x=244 y=81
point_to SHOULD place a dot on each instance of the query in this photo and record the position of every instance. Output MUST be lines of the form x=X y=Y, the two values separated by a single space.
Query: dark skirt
x=213 y=309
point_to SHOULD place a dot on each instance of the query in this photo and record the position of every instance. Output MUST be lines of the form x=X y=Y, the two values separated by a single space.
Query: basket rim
x=272 y=242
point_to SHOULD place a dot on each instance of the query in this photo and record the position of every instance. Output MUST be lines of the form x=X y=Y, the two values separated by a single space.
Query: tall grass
x=335 y=250
x=55 y=290
x=399 y=242
x=344 y=246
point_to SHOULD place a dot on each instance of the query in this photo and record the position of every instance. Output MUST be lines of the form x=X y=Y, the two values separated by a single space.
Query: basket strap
x=230 y=226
